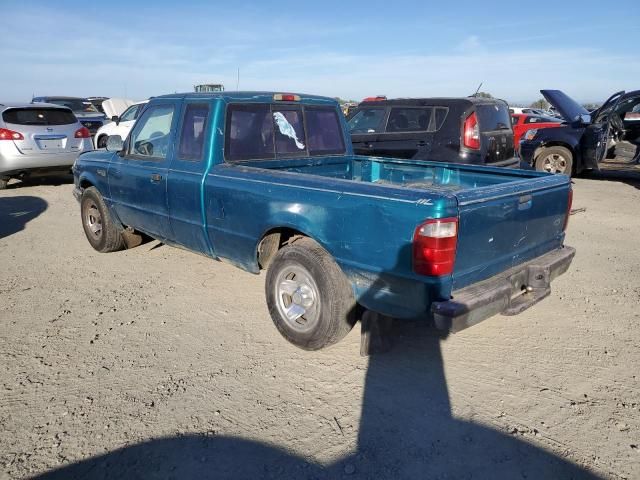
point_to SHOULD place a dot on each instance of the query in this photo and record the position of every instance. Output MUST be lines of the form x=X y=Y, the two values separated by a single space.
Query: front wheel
x=309 y=298
x=103 y=233
x=554 y=160
x=102 y=141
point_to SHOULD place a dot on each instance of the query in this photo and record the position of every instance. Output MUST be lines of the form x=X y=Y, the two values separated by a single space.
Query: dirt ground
x=159 y=363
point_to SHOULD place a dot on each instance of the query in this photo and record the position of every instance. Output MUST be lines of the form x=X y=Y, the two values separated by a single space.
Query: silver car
x=39 y=139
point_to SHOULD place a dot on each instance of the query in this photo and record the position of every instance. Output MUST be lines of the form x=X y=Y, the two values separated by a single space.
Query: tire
x=102 y=141
x=103 y=233
x=309 y=298
x=555 y=160
x=3 y=183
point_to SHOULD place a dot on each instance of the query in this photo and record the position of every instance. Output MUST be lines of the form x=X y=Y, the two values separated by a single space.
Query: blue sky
x=336 y=48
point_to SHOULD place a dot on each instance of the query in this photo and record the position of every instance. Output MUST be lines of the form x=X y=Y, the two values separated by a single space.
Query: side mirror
x=585 y=119
x=115 y=143
x=116 y=119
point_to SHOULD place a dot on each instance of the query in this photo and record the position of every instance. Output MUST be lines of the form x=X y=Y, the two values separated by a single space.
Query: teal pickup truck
x=269 y=181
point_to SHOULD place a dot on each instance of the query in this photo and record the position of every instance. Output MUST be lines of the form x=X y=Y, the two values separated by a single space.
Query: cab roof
x=249 y=96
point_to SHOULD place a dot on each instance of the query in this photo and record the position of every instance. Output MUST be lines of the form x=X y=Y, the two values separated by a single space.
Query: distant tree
x=541 y=103
x=483 y=95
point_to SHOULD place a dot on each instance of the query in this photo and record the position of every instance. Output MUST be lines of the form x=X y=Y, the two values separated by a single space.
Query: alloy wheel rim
x=297 y=298
x=554 y=163
x=93 y=220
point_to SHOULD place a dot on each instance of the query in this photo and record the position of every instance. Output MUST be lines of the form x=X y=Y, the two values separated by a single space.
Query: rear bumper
x=509 y=292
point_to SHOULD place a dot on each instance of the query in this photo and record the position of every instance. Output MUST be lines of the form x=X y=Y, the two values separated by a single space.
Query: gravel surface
x=159 y=363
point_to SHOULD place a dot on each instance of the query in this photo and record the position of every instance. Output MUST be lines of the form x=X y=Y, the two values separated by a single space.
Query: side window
x=324 y=130
x=129 y=114
x=249 y=132
x=411 y=120
x=194 y=126
x=151 y=134
x=368 y=120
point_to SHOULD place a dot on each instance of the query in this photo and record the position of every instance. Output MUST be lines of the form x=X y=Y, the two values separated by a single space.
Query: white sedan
x=120 y=124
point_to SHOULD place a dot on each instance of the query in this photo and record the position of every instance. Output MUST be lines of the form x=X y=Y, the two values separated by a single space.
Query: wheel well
x=84 y=183
x=272 y=241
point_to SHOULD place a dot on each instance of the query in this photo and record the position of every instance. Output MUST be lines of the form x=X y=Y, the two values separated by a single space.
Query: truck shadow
x=16 y=212
x=406 y=431
x=37 y=180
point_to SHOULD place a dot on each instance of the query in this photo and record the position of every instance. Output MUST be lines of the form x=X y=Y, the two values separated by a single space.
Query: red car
x=521 y=122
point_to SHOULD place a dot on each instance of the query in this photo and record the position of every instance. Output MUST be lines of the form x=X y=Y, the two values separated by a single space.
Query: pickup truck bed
x=398 y=237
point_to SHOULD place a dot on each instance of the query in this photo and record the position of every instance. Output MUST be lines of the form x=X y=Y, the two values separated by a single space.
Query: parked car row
x=467 y=130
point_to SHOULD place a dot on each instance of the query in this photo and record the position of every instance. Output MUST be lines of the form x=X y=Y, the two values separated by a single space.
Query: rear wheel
x=103 y=233
x=309 y=298
x=554 y=160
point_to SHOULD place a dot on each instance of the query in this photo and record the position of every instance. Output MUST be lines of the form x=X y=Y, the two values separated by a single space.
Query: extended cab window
x=193 y=129
x=368 y=120
x=150 y=137
x=412 y=120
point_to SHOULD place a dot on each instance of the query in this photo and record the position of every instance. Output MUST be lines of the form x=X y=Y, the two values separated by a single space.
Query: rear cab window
x=39 y=116
x=268 y=131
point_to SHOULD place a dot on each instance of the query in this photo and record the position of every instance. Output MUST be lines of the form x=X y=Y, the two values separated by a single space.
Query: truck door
x=184 y=187
x=138 y=179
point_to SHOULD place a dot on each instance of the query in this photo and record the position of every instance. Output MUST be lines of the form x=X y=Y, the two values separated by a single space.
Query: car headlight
x=530 y=134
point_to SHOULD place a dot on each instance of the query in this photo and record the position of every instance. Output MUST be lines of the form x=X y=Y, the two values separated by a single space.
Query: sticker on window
x=287 y=129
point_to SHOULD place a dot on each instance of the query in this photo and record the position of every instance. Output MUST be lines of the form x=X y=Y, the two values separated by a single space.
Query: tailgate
x=504 y=225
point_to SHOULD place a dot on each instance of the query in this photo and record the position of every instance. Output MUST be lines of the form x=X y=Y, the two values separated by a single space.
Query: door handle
x=156 y=177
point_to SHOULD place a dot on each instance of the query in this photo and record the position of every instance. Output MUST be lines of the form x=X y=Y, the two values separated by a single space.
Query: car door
x=184 y=184
x=408 y=133
x=595 y=140
x=138 y=176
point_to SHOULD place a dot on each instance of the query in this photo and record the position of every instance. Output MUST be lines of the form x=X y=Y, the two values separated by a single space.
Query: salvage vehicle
x=82 y=108
x=39 y=139
x=470 y=130
x=120 y=124
x=585 y=138
x=521 y=123
x=269 y=181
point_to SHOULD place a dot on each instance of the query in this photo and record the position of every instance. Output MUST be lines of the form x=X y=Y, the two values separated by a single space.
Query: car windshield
x=75 y=104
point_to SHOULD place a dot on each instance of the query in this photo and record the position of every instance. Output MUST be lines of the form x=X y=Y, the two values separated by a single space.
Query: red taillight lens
x=434 y=247
x=82 y=133
x=6 y=134
x=569 y=205
x=471 y=132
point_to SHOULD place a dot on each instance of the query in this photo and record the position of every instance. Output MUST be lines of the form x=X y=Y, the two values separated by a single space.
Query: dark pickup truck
x=270 y=181
x=457 y=130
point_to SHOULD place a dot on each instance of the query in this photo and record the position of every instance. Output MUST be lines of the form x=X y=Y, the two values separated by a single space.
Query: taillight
x=286 y=97
x=569 y=205
x=434 y=247
x=82 y=133
x=471 y=132
x=6 y=134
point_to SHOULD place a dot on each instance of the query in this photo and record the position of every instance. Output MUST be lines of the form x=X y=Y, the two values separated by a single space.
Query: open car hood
x=565 y=105
x=115 y=106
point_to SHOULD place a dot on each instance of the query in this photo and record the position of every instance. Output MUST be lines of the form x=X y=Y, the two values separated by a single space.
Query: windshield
x=75 y=104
